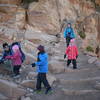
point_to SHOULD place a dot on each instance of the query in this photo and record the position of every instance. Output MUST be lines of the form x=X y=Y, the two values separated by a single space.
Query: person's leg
x=38 y=85
x=14 y=70
x=17 y=69
x=74 y=64
x=68 y=62
x=68 y=41
x=46 y=83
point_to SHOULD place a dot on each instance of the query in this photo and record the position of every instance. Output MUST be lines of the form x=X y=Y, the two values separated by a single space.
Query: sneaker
x=49 y=90
x=16 y=76
x=12 y=75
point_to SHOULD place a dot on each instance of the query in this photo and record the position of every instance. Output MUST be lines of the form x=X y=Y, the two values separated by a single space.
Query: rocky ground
x=68 y=84
x=42 y=22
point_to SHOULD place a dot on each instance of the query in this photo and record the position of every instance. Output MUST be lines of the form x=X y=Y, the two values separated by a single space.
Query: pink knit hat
x=72 y=42
x=15 y=48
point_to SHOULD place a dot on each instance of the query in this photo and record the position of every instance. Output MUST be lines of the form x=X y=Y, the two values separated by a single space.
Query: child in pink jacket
x=72 y=53
x=16 y=59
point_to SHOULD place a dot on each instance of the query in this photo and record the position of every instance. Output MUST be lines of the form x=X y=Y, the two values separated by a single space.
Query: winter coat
x=16 y=58
x=72 y=52
x=42 y=63
x=67 y=31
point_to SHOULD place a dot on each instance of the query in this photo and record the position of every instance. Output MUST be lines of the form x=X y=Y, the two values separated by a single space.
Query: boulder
x=52 y=13
x=11 y=89
x=2 y=97
x=29 y=83
x=8 y=9
x=97 y=63
x=51 y=79
x=20 y=18
x=26 y=98
x=97 y=86
x=37 y=36
x=5 y=17
x=32 y=75
x=92 y=60
x=97 y=2
x=10 y=2
x=56 y=67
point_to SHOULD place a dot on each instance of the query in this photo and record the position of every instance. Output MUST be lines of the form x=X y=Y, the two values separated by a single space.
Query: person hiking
x=42 y=69
x=22 y=53
x=72 y=53
x=6 y=52
x=16 y=60
x=69 y=33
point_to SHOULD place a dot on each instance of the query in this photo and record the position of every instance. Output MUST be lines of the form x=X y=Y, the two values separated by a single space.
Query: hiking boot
x=48 y=90
x=75 y=68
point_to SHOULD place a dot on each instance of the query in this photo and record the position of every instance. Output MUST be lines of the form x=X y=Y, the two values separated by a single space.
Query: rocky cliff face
x=43 y=19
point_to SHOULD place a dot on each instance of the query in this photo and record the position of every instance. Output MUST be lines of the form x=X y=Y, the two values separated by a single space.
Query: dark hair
x=69 y=24
x=5 y=45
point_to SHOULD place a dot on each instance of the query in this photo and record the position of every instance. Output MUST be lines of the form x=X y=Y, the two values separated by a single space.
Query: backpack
x=69 y=33
x=22 y=53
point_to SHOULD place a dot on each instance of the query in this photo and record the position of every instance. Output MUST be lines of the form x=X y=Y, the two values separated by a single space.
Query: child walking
x=72 y=53
x=16 y=60
x=42 y=69
x=69 y=33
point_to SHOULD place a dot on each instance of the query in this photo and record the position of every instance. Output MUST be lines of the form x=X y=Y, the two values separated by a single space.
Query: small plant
x=29 y=1
x=89 y=49
x=82 y=34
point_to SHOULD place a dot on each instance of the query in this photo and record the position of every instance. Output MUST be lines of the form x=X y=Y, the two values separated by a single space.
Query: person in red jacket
x=16 y=60
x=72 y=53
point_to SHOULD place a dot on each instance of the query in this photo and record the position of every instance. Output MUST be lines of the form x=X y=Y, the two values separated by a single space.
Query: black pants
x=68 y=41
x=41 y=78
x=73 y=62
x=16 y=69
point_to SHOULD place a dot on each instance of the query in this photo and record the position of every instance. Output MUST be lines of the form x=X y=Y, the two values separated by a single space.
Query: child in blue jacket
x=69 y=34
x=42 y=69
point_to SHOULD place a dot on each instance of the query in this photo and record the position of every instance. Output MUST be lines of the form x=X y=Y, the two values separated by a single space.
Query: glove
x=64 y=56
x=33 y=65
x=76 y=56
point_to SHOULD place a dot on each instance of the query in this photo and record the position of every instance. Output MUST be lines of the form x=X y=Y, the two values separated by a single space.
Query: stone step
x=86 y=84
x=2 y=97
x=86 y=94
x=77 y=74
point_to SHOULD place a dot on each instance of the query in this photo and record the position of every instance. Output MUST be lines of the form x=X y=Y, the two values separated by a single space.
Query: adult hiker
x=42 y=69
x=72 y=53
x=6 y=52
x=69 y=33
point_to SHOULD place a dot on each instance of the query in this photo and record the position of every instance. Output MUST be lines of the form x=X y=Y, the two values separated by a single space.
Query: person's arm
x=73 y=34
x=13 y=56
x=42 y=60
x=76 y=52
x=67 y=50
x=65 y=32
